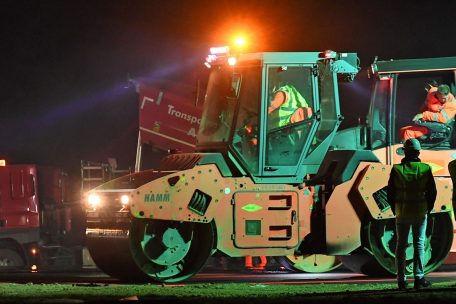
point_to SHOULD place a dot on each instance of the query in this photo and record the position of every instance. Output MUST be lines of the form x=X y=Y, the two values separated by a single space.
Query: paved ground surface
x=271 y=286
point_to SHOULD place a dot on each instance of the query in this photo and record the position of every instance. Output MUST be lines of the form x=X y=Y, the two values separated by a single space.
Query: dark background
x=65 y=64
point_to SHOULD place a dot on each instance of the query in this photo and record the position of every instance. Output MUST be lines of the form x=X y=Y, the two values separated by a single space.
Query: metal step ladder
x=94 y=174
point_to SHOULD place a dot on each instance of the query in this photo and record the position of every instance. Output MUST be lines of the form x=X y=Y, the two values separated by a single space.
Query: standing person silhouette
x=411 y=195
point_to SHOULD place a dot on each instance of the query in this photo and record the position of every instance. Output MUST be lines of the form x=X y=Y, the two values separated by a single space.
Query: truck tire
x=10 y=260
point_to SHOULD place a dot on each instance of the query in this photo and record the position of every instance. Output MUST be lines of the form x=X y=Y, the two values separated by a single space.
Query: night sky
x=65 y=64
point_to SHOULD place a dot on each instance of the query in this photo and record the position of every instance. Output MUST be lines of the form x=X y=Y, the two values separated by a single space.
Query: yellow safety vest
x=281 y=117
x=410 y=190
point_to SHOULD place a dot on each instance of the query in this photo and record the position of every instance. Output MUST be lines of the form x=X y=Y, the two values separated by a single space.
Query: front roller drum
x=113 y=257
x=169 y=251
x=379 y=256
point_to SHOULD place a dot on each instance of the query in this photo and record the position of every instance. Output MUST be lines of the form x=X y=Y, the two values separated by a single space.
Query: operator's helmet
x=412 y=145
x=443 y=89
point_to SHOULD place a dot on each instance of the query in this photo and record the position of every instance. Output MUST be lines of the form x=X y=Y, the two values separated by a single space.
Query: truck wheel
x=10 y=260
x=315 y=263
x=381 y=241
x=169 y=251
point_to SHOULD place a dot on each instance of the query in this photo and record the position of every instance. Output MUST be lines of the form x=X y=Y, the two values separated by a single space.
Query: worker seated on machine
x=287 y=107
x=435 y=122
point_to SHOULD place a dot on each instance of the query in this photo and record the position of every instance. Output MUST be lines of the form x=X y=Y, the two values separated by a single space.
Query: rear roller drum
x=168 y=251
x=379 y=259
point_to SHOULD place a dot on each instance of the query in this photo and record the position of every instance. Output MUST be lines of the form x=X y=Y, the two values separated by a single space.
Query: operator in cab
x=288 y=106
x=440 y=108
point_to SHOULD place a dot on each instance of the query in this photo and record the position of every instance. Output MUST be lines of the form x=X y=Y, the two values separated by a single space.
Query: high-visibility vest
x=410 y=190
x=293 y=101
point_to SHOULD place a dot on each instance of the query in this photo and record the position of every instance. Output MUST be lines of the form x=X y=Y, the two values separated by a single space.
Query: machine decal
x=199 y=202
x=251 y=207
x=156 y=197
x=435 y=167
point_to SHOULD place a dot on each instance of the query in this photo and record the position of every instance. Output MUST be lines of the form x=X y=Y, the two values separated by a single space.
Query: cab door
x=290 y=118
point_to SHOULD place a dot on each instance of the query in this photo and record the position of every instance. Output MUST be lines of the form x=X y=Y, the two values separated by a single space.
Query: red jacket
x=437 y=111
x=432 y=103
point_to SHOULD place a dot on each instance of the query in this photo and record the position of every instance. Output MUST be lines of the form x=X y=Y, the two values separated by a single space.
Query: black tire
x=10 y=260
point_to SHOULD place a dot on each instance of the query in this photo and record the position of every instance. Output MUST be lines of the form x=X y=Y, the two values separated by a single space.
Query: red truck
x=42 y=222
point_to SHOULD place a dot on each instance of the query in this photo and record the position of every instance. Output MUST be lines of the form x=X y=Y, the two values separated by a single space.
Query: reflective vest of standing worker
x=410 y=182
x=288 y=106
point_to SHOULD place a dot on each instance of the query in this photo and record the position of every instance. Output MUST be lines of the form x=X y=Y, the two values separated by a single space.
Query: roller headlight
x=124 y=199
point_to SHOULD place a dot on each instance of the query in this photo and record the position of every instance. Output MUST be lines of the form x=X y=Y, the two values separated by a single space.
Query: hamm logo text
x=156 y=197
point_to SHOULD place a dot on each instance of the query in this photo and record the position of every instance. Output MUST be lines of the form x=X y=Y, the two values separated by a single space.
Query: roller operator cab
x=244 y=192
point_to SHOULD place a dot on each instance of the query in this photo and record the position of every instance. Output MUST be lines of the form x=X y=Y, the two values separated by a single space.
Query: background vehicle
x=398 y=92
x=42 y=221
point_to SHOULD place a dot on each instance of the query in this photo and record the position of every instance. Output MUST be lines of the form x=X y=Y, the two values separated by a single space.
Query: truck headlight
x=94 y=201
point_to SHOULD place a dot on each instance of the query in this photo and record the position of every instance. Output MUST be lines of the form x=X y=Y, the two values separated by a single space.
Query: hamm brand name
x=156 y=197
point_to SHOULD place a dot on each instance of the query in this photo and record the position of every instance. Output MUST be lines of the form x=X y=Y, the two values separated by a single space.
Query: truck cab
x=42 y=224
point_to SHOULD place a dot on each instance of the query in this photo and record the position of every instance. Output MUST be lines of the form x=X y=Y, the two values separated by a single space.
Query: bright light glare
x=211 y=58
x=219 y=50
x=94 y=200
x=240 y=41
x=387 y=77
x=34 y=268
x=124 y=199
x=34 y=251
x=232 y=60
x=330 y=54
